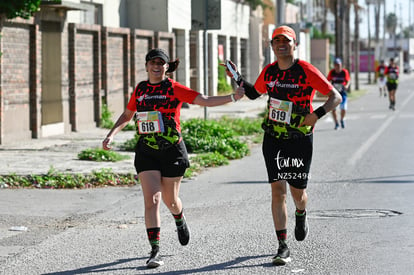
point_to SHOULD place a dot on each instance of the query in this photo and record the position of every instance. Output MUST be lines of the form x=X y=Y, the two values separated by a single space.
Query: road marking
x=406 y=115
x=382 y=116
x=369 y=142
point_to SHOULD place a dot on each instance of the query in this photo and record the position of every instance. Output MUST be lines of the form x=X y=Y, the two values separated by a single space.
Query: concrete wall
x=320 y=54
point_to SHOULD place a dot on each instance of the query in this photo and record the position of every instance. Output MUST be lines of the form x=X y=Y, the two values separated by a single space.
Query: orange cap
x=286 y=31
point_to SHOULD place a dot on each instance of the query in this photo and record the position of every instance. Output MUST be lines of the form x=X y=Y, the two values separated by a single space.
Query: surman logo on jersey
x=271 y=84
x=141 y=98
x=282 y=85
x=149 y=97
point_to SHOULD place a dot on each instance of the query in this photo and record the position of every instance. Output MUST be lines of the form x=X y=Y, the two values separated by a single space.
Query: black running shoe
x=301 y=228
x=183 y=233
x=154 y=259
x=282 y=257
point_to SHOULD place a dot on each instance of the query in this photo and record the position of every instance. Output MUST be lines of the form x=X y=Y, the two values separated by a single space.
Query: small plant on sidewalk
x=98 y=154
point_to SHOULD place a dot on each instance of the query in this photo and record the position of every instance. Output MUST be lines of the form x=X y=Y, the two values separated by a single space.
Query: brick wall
x=15 y=82
x=98 y=64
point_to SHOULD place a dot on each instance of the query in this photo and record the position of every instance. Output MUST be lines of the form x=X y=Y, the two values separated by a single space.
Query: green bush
x=243 y=126
x=130 y=144
x=98 y=154
x=222 y=86
x=106 y=118
x=107 y=122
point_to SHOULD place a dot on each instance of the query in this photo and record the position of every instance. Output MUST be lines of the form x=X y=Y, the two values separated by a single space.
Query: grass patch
x=355 y=94
x=98 y=154
x=57 y=180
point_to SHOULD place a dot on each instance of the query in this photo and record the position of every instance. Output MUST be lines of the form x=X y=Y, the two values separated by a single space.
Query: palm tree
x=391 y=26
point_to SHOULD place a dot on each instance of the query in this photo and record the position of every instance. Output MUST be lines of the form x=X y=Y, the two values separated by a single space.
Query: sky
x=400 y=7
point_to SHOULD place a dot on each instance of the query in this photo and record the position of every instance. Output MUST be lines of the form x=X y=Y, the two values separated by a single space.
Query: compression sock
x=154 y=236
x=300 y=212
x=282 y=237
x=179 y=218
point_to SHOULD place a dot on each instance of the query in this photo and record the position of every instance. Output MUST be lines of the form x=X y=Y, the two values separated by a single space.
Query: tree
x=18 y=8
x=391 y=24
x=254 y=3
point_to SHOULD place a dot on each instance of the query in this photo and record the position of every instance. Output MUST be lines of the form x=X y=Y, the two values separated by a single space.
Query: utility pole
x=280 y=12
x=356 y=44
x=205 y=48
x=369 y=42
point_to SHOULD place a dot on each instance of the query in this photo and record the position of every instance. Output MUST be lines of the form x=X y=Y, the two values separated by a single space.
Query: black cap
x=154 y=53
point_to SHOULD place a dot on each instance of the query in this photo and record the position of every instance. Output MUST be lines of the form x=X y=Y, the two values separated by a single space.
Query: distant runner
x=340 y=78
x=392 y=72
x=381 y=79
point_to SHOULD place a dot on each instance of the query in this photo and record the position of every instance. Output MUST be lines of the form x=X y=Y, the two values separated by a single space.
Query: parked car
x=407 y=68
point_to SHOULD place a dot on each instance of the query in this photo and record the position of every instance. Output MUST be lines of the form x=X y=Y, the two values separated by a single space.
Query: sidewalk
x=38 y=156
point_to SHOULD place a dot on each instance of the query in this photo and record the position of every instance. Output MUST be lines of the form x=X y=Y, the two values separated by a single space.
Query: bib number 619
x=278 y=115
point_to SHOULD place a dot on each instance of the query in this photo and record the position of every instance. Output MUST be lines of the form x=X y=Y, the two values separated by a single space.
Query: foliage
x=201 y=161
x=106 y=118
x=54 y=179
x=255 y=3
x=242 y=126
x=19 y=8
x=317 y=34
x=107 y=122
x=210 y=136
x=391 y=22
x=222 y=86
x=98 y=154
x=130 y=144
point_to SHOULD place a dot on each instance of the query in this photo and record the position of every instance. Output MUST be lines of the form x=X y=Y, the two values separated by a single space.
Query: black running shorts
x=288 y=159
x=172 y=162
x=391 y=86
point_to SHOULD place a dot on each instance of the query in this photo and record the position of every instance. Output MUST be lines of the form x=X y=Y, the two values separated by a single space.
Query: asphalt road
x=361 y=212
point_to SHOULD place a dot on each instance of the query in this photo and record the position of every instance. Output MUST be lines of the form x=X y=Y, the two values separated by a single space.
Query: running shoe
x=282 y=257
x=154 y=259
x=342 y=124
x=301 y=228
x=183 y=233
x=336 y=126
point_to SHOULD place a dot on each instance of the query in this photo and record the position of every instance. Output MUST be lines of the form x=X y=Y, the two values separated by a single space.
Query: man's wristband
x=320 y=112
x=233 y=98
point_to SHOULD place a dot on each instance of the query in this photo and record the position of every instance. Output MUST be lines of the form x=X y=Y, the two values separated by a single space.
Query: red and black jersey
x=341 y=78
x=392 y=72
x=381 y=70
x=296 y=84
x=166 y=97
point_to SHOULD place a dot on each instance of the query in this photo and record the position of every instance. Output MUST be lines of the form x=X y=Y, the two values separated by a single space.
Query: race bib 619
x=280 y=110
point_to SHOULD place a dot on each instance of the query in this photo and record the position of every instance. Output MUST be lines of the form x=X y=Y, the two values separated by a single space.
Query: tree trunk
x=347 y=44
x=356 y=45
x=337 y=29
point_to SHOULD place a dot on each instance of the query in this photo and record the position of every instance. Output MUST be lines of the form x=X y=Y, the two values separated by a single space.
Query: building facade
x=58 y=68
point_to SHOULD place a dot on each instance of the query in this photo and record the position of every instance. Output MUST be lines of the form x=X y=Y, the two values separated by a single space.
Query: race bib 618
x=149 y=122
